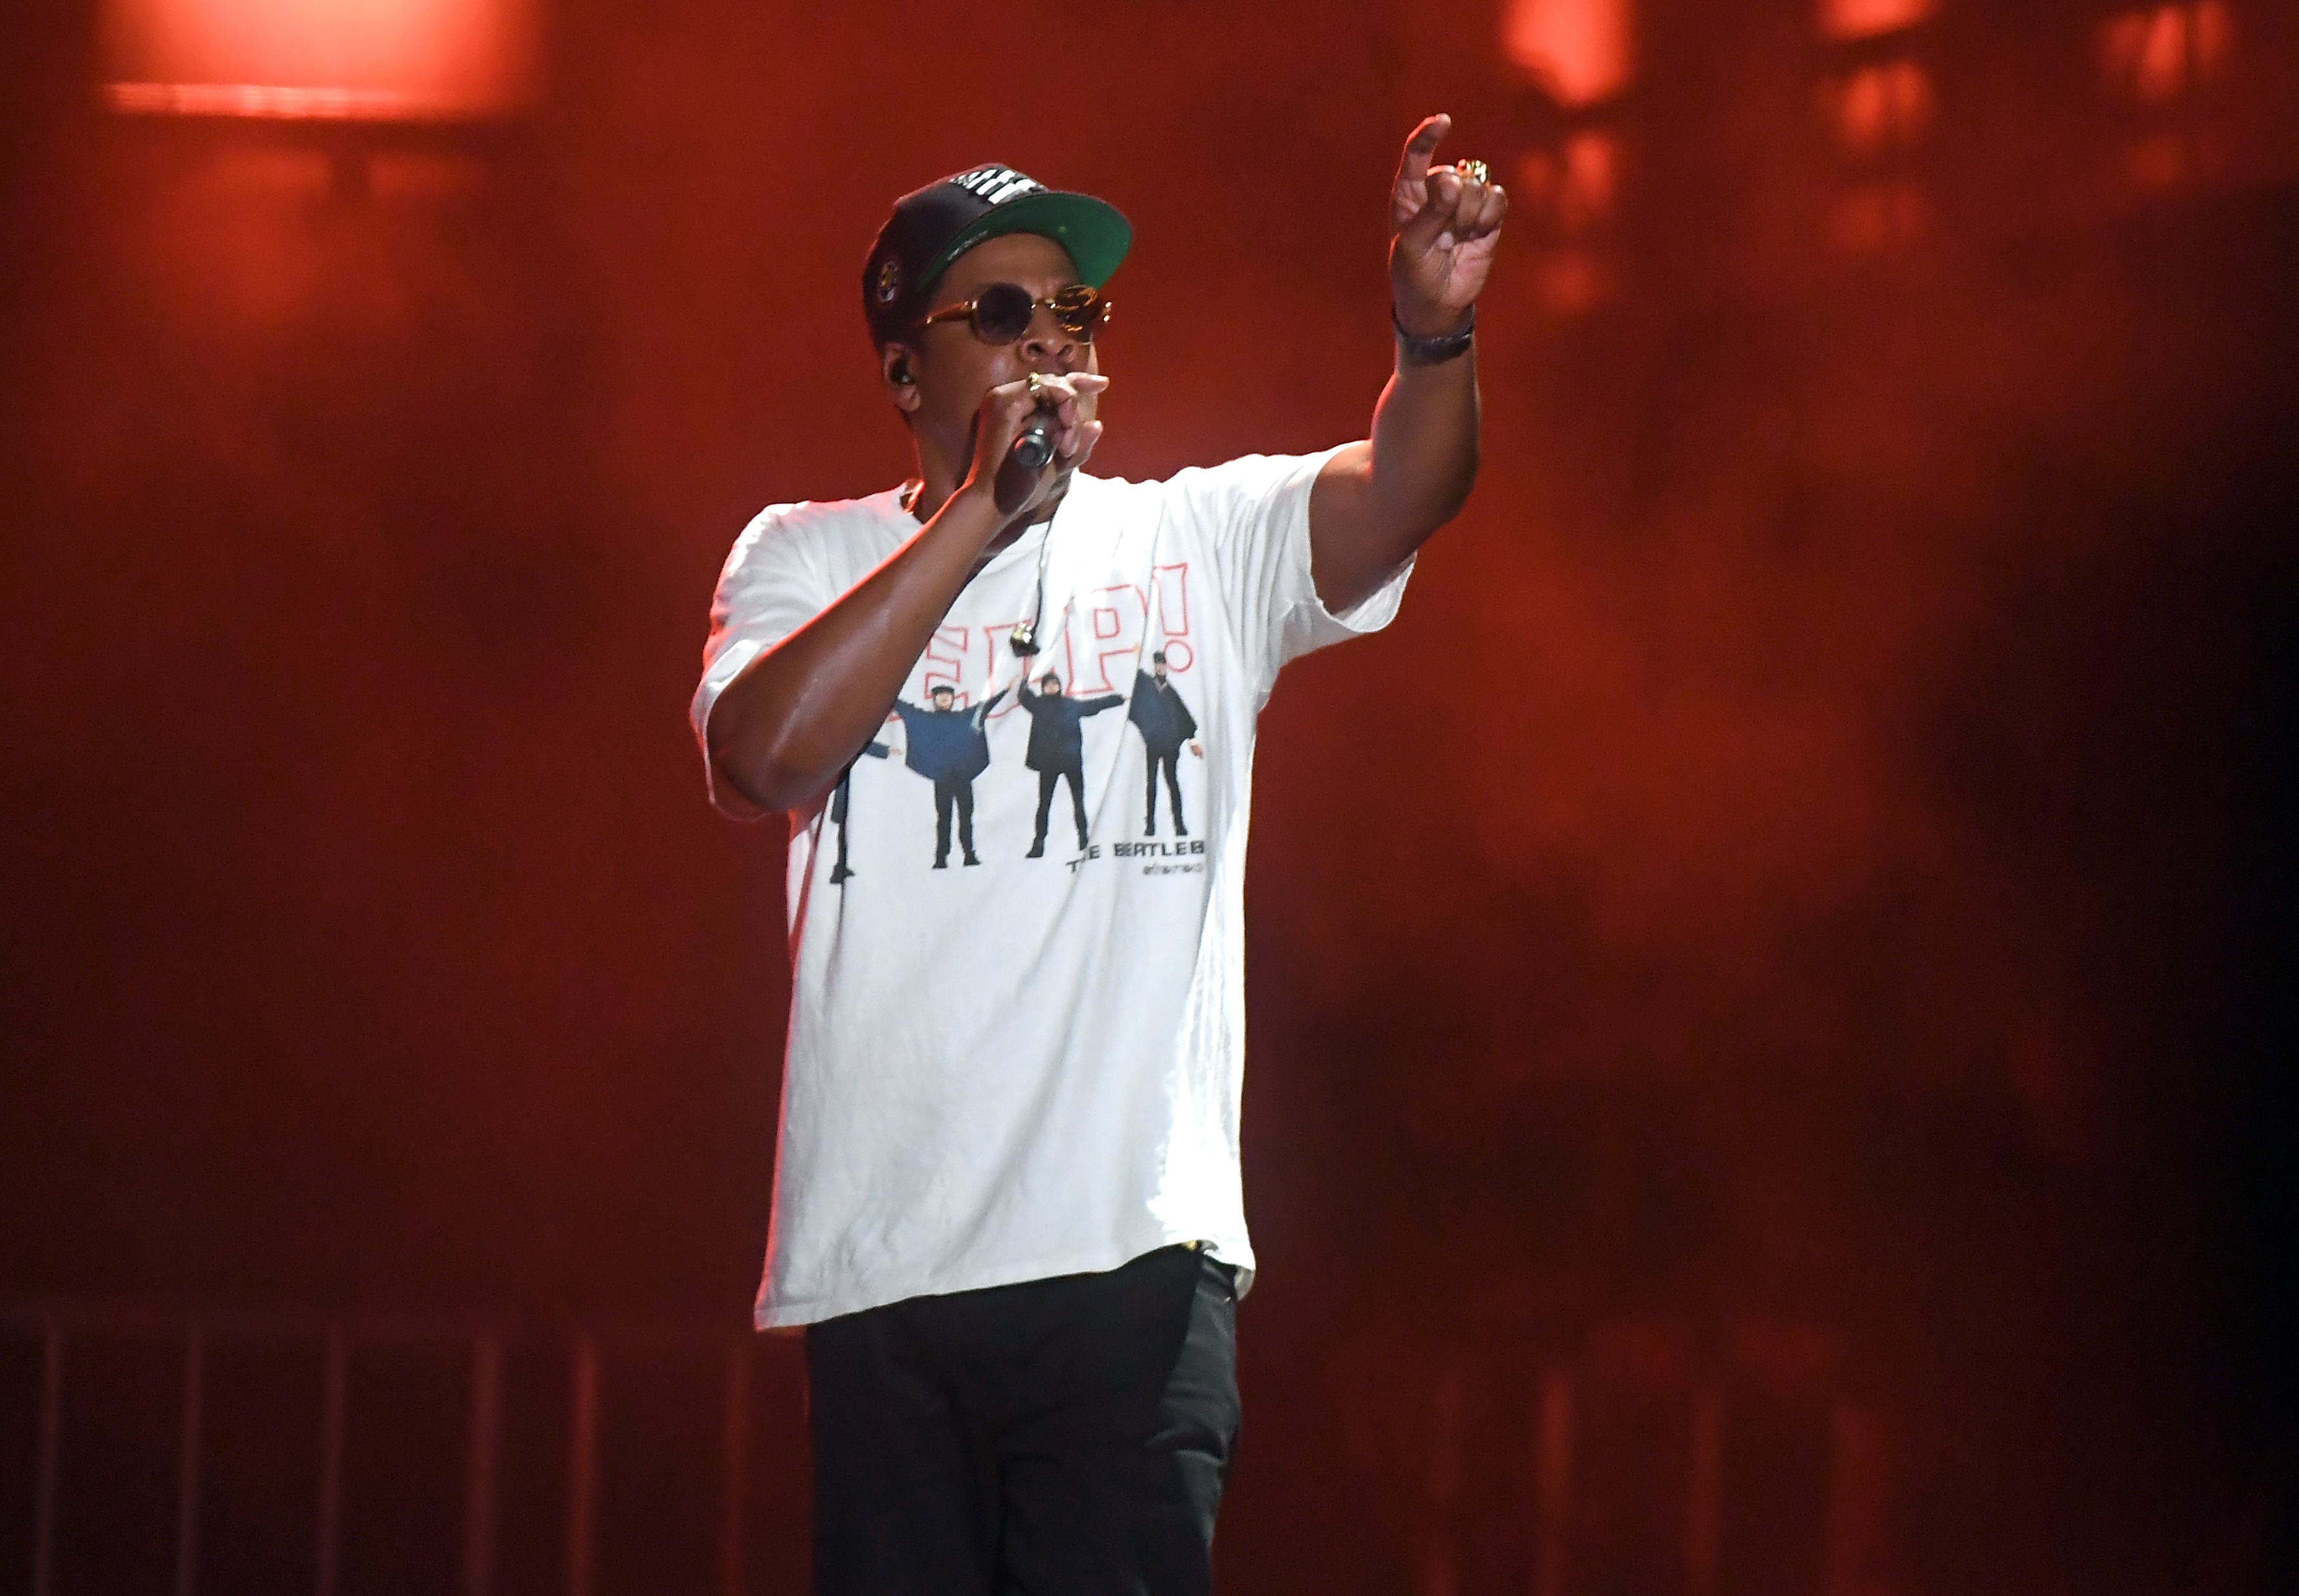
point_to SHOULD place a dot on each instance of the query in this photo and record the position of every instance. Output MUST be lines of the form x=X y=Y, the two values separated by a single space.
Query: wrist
x=1423 y=349
x=971 y=510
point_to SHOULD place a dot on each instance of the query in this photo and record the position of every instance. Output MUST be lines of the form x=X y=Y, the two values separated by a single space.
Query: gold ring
x=1034 y=385
x=1473 y=171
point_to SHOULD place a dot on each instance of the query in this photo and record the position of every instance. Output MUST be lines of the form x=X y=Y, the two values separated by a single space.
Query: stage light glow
x=1575 y=184
x=1571 y=188
x=1846 y=20
x=1581 y=51
x=1879 y=109
x=2158 y=55
x=365 y=60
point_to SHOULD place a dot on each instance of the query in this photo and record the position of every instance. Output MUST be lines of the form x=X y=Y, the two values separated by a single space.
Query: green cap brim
x=1094 y=232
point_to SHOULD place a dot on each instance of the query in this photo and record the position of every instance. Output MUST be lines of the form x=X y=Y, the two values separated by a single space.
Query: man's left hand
x=1447 y=223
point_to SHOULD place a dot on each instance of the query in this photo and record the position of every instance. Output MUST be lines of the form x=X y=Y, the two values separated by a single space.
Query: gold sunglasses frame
x=966 y=311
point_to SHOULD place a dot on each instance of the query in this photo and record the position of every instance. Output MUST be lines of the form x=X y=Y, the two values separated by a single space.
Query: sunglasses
x=1001 y=313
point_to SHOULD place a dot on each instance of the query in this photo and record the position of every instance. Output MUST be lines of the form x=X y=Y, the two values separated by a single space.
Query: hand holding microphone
x=1056 y=429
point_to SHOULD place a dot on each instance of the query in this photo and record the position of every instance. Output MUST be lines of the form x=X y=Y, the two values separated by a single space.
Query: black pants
x=953 y=792
x=1169 y=758
x=1064 y=1437
x=1046 y=780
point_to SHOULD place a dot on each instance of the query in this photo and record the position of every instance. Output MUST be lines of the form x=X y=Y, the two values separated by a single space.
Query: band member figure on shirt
x=1057 y=749
x=841 y=800
x=1166 y=724
x=949 y=746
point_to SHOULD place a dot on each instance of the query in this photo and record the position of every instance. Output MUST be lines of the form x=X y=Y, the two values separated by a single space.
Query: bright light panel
x=383 y=60
x=1578 y=50
x=1865 y=19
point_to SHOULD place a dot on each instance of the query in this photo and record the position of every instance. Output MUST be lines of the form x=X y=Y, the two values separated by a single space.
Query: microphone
x=1033 y=450
x=1033 y=445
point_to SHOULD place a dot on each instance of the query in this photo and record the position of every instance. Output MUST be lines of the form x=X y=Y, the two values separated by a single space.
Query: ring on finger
x=1473 y=171
x=1036 y=385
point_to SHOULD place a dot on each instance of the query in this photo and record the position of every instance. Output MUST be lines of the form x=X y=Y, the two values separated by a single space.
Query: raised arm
x=782 y=730
x=1375 y=503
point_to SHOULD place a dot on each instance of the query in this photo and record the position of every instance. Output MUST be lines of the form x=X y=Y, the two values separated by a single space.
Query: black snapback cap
x=933 y=226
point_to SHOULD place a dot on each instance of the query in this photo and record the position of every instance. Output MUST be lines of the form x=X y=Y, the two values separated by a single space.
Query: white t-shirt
x=1031 y=1066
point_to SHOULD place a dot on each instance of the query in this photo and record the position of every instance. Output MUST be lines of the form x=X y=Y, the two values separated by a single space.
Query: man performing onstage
x=1007 y=1206
x=948 y=747
x=1056 y=751
x=1166 y=724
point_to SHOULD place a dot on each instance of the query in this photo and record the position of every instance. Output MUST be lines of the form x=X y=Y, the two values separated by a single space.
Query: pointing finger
x=1413 y=166
x=1421 y=146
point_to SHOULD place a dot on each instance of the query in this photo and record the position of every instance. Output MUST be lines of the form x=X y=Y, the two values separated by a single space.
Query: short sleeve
x=1253 y=513
x=767 y=590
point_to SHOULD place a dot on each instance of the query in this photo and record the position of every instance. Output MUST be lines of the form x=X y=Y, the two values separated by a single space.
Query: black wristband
x=1414 y=350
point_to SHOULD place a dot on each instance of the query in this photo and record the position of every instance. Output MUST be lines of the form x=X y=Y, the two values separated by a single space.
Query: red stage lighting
x=2161 y=55
x=1582 y=53
x=366 y=59
x=1848 y=20
x=1579 y=50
